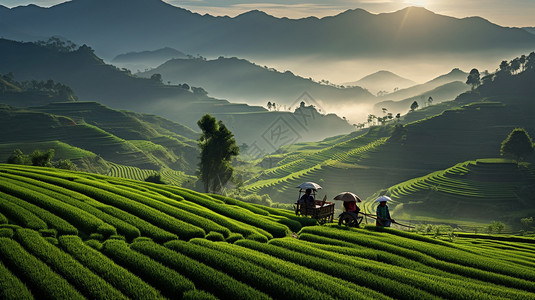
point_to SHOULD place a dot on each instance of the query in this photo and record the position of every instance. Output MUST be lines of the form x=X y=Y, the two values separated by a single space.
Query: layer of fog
x=420 y=69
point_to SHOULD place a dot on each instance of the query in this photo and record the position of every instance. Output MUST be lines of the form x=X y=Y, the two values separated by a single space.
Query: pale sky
x=511 y=13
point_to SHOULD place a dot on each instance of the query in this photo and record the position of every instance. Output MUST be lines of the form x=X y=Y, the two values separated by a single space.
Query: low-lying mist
x=419 y=68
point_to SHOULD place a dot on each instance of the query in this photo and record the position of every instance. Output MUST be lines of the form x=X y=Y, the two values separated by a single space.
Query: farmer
x=307 y=198
x=351 y=206
x=383 y=214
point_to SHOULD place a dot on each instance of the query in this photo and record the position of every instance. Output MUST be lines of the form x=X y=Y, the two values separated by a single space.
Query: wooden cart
x=322 y=211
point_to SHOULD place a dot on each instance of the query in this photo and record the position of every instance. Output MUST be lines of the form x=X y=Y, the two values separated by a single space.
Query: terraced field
x=61 y=150
x=324 y=165
x=87 y=129
x=484 y=189
x=73 y=235
x=171 y=177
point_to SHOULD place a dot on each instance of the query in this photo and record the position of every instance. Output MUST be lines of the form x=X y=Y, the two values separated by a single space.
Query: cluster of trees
x=374 y=120
x=50 y=87
x=155 y=178
x=218 y=147
x=506 y=68
x=58 y=44
x=495 y=226
x=527 y=223
x=518 y=145
x=40 y=159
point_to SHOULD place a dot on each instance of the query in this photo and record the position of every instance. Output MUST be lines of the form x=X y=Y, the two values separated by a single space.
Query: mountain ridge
x=272 y=36
x=241 y=80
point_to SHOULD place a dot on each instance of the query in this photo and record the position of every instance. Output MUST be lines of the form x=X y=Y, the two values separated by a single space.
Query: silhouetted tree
x=371 y=118
x=414 y=106
x=522 y=61
x=269 y=105
x=515 y=65
x=218 y=146
x=58 y=44
x=429 y=100
x=530 y=61
x=473 y=79
x=517 y=145
x=504 y=68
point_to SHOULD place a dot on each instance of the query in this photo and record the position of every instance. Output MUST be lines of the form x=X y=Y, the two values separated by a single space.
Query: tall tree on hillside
x=218 y=146
x=515 y=65
x=522 y=61
x=517 y=145
x=530 y=61
x=473 y=79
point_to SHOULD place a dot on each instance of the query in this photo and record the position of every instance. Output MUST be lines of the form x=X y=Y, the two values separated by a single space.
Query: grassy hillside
x=384 y=157
x=121 y=137
x=76 y=235
x=469 y=192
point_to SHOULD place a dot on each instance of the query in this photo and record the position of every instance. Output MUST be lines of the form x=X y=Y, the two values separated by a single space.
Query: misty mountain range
x=119 y=26
x=146 y=59
x=93 y=80
x=242 y=81
x=455 y=75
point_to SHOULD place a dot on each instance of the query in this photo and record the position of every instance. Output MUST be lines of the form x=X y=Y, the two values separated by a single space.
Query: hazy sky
x=502 y=12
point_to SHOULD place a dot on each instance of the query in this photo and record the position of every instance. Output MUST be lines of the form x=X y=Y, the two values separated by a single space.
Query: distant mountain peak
x=415 y=9
x=456 y=71
x=255 y=13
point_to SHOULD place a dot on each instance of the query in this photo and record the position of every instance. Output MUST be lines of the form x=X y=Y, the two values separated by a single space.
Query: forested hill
x=88 y=75
x=33 y=93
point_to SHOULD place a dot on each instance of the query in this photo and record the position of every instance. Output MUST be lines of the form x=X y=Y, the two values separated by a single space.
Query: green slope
x=474 y=191
x=121 y=137
x=178 y=141
x=31 y=127
x=77 y=235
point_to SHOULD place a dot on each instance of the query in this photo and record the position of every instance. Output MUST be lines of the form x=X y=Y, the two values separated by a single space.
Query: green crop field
x=73 y=235
x=469 y=192
x=172 y=177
